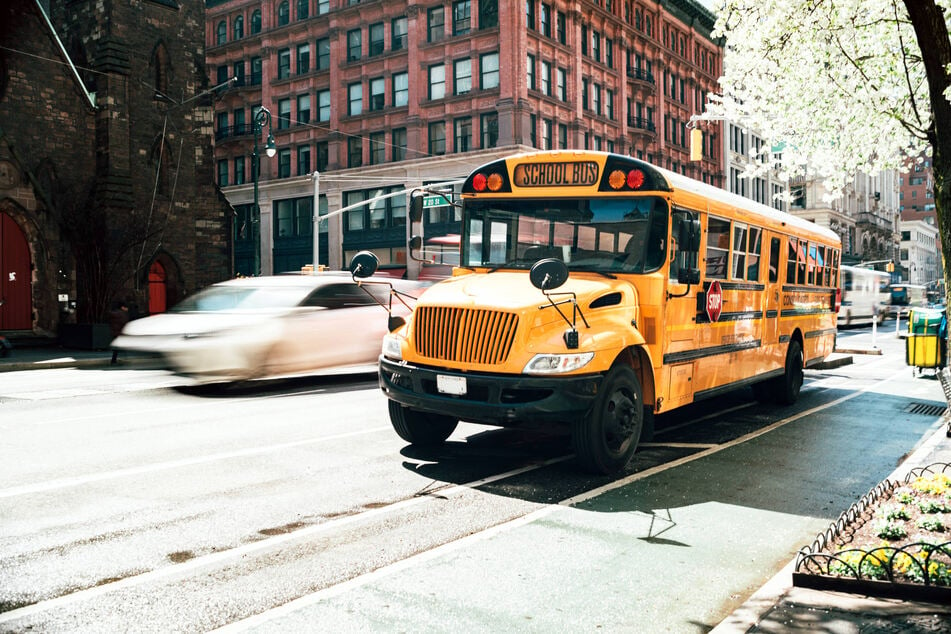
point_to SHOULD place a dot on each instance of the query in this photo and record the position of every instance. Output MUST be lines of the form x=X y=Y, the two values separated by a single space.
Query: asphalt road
x=128 y=503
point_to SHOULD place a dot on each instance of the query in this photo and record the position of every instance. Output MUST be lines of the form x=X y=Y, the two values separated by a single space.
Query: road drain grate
x=925 y=409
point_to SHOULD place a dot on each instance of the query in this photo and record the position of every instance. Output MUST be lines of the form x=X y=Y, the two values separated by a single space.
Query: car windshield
x=610 y=235
x=238 y=298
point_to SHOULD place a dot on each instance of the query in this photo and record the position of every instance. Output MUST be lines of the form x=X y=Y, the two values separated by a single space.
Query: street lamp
x=261 y=118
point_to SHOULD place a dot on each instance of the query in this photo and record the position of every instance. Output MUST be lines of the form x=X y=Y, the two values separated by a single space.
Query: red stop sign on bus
x=714 y=301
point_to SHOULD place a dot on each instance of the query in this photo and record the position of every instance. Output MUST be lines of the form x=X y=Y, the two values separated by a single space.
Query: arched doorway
x=158 y=291
x=15 y=277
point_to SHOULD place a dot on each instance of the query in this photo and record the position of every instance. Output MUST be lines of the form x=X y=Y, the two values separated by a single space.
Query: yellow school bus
x=594 y=291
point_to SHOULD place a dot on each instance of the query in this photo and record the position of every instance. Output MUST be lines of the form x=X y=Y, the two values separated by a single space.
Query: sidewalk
x=776 y=608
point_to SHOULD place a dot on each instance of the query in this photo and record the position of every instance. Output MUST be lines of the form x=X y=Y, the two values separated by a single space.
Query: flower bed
x=893 y=542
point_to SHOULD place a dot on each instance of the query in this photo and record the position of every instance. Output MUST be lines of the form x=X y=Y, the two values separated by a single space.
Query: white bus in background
x=865 y=295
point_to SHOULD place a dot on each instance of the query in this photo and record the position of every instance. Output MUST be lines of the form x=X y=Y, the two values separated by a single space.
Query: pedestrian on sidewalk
x=118 y=318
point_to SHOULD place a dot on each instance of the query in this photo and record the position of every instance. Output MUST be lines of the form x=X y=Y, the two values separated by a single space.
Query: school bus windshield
x=610 y=235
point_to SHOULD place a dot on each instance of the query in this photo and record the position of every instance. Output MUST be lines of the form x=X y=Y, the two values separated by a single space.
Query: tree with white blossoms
x=845 y=86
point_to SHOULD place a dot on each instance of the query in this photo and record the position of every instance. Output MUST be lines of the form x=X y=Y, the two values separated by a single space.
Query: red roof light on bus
x=479 y=182
x=635 y=178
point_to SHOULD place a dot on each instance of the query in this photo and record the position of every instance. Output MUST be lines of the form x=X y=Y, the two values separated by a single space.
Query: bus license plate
x=455 y=385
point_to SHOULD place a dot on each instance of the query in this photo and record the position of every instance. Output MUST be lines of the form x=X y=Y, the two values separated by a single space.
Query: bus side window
x=774 y=251
x=791 y=261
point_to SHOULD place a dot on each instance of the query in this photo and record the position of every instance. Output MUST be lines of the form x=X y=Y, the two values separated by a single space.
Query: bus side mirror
x=688 y=276
x=689 y=235
x=416 y=206
x=364 y=264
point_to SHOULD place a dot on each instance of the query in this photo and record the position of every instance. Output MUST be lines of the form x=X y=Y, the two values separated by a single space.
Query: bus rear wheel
x=789 y=384
x=420 y=428
x=605 y=439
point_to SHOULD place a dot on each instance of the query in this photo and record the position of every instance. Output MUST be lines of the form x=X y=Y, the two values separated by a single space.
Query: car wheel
x=420 y=428
x=788 y=385
x=606 y=438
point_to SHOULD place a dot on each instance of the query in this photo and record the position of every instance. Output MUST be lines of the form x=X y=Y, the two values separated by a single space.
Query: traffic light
x=890 y=267
x=696 y=144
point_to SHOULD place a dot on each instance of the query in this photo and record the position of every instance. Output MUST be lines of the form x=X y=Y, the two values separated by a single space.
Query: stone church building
x=107 y=186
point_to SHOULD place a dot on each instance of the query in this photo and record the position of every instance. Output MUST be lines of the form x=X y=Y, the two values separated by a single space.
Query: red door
x=157 y=290
x=15 y=277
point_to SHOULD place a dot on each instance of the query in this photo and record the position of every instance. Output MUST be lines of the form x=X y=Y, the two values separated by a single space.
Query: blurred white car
x=257 y=327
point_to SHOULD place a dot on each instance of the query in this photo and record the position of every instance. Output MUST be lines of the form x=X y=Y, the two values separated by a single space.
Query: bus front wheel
x=606 y=438
x=420 y=428
x=789 y=384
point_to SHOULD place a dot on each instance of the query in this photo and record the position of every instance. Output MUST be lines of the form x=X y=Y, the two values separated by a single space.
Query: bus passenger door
x=772 y=307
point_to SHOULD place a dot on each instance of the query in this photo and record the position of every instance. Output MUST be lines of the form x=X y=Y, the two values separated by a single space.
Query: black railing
x=640 y=75
x=641 y=123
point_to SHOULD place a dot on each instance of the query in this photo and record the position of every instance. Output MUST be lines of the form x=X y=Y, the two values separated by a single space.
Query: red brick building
x=382 y=95
x=107 y=185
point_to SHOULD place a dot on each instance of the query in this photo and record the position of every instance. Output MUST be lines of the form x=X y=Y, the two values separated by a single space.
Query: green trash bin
x=925 y=321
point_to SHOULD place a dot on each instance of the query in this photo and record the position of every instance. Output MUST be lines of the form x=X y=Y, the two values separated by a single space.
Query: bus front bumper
x=491 y=399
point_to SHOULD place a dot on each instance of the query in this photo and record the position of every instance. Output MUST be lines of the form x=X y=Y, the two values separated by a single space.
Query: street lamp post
x=261 y=118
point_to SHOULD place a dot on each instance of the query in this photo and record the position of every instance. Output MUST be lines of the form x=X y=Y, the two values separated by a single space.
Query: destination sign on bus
x=556 y=174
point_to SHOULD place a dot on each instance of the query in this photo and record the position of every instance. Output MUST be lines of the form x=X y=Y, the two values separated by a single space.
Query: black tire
x=647 y=427
x=789 y=384
x=421 y=428
x=606 y=438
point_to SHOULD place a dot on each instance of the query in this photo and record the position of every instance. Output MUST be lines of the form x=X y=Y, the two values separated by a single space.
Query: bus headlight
x=392 y=347
x=557 y=363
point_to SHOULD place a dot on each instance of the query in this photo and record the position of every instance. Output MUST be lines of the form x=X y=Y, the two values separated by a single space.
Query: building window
x=295 y=216
x=303 y=59
x=609 y=104
x=597 y=98
x=284 y=63
x=239 y=27
x=376 y=38
x=303 y=109
x=239 y=170
x=398 y=30
x=546 y=78
x=223 y=173
x=239 y=73
x=323 y=54
x=488 y=14
x=561 y=28
x=256 y=21
x=239 y=121
x=303 y=160
x=561 y=84
x=354 y=45
x=400 y=89
x=547 y=125
x=584 y=39
x=222 y=37
x=437 y=138
x=533 y=130
x=382 y=213
x=584 y=94
x=462 y=134
x=398 y=143
x=355 y=99
x=323 y=6
x=596 y=46
x=283 y=114
x=323 y=105
x=489 y=127
x=284 y=163
x=562 y=136
x=377 y=93
x=303 y=9
x=462 y=76
x=283 y=13
x=323 y=156
x=354 y=152
x=546 y=20
x=435 y=24
x=530 y=15
x=377 y=148
x=223 y=75
x=437 y=82
x=609 y=53
x=461 y=15
x=489 y=71
x=530 y=71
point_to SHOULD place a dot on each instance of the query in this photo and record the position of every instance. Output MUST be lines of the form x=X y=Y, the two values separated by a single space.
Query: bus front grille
x=464 y=335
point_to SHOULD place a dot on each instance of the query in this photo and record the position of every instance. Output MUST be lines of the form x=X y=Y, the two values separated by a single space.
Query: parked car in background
x=257 y=327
